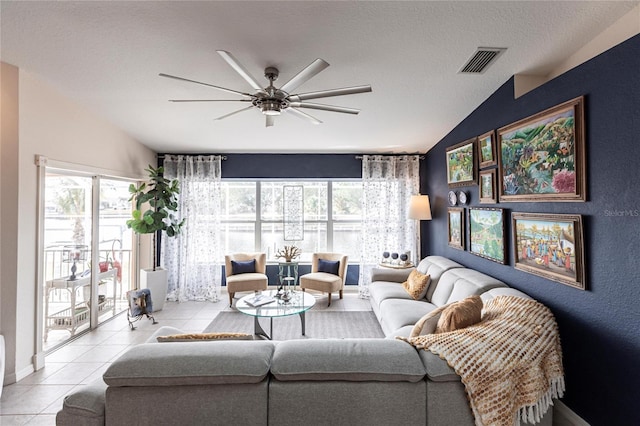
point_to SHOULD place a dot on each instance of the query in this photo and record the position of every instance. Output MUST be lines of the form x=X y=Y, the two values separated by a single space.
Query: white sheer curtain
x=194 y=258
x=388 y=184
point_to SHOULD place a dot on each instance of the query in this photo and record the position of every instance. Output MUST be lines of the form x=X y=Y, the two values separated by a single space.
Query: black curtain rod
x=360 y=157
x=161 y=156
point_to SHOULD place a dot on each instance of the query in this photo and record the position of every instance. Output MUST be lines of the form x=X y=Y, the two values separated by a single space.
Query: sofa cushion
x=460 y=314
x=437 y=368
x=458 y=283
x=85 y=405
x=381 y=290
x=435 y=266
x=165 y=330
x=192 y=363
x=502 y=291
x=243 y=267
x=353 y=360
x=397 y=313
x=417 y=285
x=427 y=324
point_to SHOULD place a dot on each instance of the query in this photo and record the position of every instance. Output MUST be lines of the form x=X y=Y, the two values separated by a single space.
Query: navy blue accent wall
x=600 y=327
x=287 y=166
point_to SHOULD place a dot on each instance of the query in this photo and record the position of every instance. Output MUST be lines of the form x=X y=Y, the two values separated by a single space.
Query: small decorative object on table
x=398 y=260
x=288 y=253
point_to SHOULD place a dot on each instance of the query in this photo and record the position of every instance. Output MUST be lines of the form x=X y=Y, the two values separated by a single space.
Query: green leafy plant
x=160 y=199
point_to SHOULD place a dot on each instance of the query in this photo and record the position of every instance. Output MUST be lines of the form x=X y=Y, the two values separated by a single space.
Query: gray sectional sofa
x=312 y=381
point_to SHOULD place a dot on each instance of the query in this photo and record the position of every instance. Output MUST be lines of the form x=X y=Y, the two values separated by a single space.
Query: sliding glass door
x=88 y=253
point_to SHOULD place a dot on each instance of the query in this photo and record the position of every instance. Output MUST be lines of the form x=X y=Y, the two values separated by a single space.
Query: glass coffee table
x=299 y=303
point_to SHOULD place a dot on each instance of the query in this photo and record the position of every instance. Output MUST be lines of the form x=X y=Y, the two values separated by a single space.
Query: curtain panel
x=388 y=184
x=193 y=258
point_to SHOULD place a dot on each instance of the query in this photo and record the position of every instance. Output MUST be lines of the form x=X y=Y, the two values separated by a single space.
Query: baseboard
x=24 y=372
x=564 y=416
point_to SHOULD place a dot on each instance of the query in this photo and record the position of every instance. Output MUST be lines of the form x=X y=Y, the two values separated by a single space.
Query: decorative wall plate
x=453 y=198
x=463 y=197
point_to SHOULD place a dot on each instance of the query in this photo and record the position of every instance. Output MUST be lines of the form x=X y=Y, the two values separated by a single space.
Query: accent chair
x=328 y=273
x=245 y=272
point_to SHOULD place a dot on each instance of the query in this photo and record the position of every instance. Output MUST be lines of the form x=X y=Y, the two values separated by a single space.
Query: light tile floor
x=36 y=399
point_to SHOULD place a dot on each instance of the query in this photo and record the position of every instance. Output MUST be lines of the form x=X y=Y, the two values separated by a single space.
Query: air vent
x=481 y=60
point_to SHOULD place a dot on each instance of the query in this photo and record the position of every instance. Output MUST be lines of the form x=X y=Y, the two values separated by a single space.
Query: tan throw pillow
x=194 y=337
x=417 y=284
x=427 y=324
x=460 y=314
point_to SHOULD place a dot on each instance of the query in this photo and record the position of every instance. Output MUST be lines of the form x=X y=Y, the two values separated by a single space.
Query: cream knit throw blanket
x=510 y=362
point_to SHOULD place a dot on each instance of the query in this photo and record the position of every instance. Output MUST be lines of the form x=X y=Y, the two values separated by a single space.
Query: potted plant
x=155 y=206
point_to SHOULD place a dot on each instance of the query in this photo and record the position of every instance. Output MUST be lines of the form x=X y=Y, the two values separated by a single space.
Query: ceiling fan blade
x=304 y=115
x=209 y=100
x=240 y=69
x=270 y=120
x=233 y=113
x=328 y=93
x=205 y=84
x=311 y=70
x=324 y=107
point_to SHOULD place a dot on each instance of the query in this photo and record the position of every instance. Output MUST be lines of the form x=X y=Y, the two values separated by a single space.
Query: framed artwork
x=542 y=158
x=487 y=150
x=487 y=187
x=456 y=227
x=486 y=233
x=550 y=246
x=461 y=167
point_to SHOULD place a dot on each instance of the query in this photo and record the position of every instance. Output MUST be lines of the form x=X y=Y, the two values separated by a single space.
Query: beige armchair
x=326 y=275
x=241 y=274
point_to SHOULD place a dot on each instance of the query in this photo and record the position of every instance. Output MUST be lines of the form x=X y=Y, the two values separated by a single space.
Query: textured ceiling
x=107 y=56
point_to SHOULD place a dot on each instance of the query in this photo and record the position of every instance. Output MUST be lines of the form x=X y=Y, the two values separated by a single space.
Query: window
x=253 y=213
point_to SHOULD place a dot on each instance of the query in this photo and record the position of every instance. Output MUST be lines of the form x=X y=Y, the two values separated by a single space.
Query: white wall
x=8 y=212
x=59 y=129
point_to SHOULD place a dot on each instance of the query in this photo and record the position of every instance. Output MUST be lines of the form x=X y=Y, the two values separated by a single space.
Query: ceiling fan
x=272 y=101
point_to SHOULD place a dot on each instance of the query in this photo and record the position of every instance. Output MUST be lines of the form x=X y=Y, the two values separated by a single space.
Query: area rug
x=319 y=324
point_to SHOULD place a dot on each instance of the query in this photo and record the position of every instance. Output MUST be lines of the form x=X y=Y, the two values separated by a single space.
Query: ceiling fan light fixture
x=270 y=107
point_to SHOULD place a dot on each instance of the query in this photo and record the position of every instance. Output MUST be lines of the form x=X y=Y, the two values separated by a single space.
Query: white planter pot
x=156 y=281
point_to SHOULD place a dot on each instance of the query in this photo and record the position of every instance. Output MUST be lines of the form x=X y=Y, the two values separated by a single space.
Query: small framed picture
x=487 y=150
x=487 y=187
x=486 y=233
x=550 y=246
x=456 y=227
x=461 y=164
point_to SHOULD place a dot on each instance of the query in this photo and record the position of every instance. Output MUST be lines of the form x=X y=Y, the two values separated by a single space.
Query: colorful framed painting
x=487 y=187
x=456 y=227
x=550 y=246
x=487 y=150
x=461 y=164
x=486 y=233
x=542 y=158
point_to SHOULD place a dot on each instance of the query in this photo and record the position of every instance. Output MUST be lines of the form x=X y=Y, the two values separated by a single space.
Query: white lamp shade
x=420 y=208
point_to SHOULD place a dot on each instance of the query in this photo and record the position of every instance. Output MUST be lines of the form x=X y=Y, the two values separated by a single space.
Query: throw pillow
x=328 y=266
x=427 y=324
x=460 y=314
x=246 y=267
x=194 y=337
x=417 y=284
